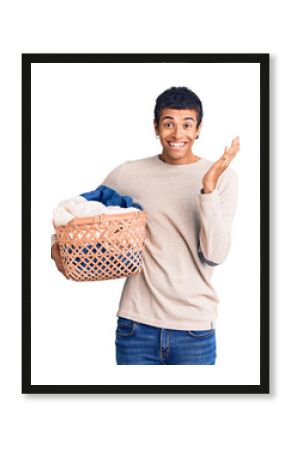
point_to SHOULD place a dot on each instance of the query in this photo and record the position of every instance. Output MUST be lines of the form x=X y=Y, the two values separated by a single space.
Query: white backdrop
x=88 y=422
x=87 y=119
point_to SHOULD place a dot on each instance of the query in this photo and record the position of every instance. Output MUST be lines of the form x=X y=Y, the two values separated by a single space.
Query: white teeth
x=176 y=145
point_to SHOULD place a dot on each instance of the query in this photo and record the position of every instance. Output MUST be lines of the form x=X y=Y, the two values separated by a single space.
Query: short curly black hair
x=178 y=98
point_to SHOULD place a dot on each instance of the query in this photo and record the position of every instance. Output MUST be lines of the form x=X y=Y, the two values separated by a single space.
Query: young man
x=167 y=313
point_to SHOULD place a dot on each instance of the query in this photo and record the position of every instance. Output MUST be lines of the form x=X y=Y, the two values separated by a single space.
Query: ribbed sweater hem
x=182 y=326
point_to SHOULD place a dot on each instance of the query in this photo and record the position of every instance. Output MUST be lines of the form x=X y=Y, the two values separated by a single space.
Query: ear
x=155 y=126
x=198 y=130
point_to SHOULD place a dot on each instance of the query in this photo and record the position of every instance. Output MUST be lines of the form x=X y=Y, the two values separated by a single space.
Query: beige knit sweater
x=188 y=233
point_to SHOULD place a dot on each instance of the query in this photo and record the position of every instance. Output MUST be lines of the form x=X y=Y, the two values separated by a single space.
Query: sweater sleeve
x=113 y=178
x=217 y=211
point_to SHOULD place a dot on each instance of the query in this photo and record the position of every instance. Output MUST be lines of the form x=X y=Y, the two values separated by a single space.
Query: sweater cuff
x=209 y=196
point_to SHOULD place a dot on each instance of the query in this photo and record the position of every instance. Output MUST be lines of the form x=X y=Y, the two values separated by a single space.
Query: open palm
x=210 y=179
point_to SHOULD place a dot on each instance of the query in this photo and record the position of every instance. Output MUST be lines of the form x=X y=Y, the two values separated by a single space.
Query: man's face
x=177 y=130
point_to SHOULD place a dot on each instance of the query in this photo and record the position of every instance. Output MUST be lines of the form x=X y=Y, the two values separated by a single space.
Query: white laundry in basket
x=80 y=207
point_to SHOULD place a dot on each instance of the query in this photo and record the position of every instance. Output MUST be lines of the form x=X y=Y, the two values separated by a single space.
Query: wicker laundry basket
x=102 y=247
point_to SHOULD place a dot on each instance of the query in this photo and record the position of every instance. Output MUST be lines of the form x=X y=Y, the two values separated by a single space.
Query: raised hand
x=210 y=179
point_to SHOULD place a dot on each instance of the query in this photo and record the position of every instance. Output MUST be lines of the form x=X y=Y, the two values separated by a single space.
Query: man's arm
x=113 y=178
x=217 y=210
x=55 y=255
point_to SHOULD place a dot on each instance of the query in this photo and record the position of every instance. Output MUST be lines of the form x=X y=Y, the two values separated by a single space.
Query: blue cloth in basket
x=109 y=197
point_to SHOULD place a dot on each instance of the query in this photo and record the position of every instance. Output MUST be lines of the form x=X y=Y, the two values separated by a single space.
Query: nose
x=177 y=133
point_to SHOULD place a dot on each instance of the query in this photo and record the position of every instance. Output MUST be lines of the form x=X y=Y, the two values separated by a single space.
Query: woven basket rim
x=100 y=218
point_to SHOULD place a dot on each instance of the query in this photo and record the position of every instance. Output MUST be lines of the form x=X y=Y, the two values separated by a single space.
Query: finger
x=229 y=153
x=59 y=265
x=234 y=152
x=235 y=145
x=234 y=149
x=224 y=155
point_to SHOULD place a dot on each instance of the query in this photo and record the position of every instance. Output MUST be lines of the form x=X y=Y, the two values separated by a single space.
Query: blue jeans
x=137 y=343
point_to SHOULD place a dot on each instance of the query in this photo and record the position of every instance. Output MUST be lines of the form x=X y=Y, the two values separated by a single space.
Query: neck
x=185 y=160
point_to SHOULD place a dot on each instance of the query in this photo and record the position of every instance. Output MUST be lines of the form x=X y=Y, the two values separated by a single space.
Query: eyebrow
x=185 y=118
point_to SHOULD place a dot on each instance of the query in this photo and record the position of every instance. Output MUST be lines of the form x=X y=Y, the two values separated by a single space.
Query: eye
x=188 y=125
x=167 y=124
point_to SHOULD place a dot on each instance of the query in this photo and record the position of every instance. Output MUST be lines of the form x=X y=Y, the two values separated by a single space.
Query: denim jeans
x=137 y=343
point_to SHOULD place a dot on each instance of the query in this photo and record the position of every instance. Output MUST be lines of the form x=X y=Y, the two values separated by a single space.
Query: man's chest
x=165 y=195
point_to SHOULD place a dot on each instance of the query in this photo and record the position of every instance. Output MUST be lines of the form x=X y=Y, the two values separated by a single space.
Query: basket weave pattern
x=102 y=247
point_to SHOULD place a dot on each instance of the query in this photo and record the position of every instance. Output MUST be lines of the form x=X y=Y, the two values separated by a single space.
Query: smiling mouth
x=177 y=144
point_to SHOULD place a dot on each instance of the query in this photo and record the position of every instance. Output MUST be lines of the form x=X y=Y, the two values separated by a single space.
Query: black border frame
x=261 y=58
